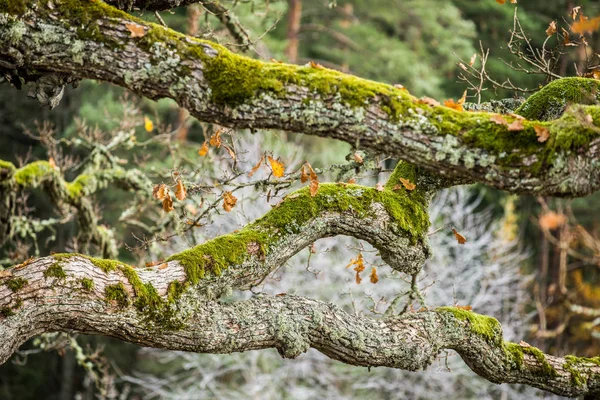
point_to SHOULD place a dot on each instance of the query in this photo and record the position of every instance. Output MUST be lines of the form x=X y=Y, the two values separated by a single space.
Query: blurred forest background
x=530 y=262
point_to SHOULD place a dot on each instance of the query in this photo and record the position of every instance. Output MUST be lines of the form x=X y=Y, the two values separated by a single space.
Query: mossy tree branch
x=72 y=194
x=75 y=295
x=216 y=85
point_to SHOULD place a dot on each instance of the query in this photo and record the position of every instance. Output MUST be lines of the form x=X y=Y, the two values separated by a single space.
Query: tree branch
x=84 y=299
x=216 y=85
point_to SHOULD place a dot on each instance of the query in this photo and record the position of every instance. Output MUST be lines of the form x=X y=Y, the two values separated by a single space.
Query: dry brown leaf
x=379 y=187
x=500 y=1
x=359 y=266
x=204 y=149
x=167 y=203
x=451 y=104
x=277 y=167
x=551 y=28
x=472 y=61
x=462 y=66
x=136 y=30
x=459 y=238
x=163 y=266
x=229 y=201
x=180 y=191
x=352 y=181
x=314 y=181
x=574 y=12
x=276 y=61
x=542 y=133
x=358 y=158
x=52 y=163
x=160 y=191
x=498 y=119
x=588 y=118
x=373 y=275
x=552 y=220
x=516 y=126
x=303 y=174
x=524 y=344
x=429 y=101
x=257 y=166
x=408 y=185
x=315 y=65
x=596 y=74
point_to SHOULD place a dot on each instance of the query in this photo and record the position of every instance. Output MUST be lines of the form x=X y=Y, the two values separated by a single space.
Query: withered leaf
x=551 y=28
x=542 y=133
x=498 y=119
x=429 y=101
x=167 y=203
x=256 y=167
x=373 y=275
x=586 y=25
x=407 y=184
x=552 y=220
x=459 y=238
x=136 y=30
x=204 y=149
x=229 y=201
x=215 y=139
x=159 y=191
x=230 y=151
x=516 y=126
x=180 y=191
x=357 y=158
x=379 y=187
x=303 y=174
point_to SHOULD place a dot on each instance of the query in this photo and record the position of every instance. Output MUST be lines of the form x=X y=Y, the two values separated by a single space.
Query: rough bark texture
x=176 y=304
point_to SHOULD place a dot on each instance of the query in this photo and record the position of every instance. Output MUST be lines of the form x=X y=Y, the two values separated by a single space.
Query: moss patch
x=573 y=364
x=105 y=265
x=117 y=293
x=55 y=271
x=87 y=284
x=32 y=174
x=482 y=325
x=16 y=284
x=515 y=355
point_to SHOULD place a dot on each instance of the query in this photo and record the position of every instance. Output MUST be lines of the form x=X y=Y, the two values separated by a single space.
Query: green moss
x=33 y=173
x=55 y=271
x=7 y=165
x=15 y=7
x=574 y=364
x=482 y=325
x=6 y=311
x=515 y=356
x=105 y=265
x=78 y=187
x=117 y=293
x=87 y=284
x=552 y=99
x=16 y=284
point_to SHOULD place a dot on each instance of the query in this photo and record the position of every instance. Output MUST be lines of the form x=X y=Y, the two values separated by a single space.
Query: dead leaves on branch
x=229 y=201
x=307 y=173
x=163 y=193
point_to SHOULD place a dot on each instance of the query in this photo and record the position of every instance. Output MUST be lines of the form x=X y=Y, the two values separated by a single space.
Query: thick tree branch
x=219 y=86
x=79 y=297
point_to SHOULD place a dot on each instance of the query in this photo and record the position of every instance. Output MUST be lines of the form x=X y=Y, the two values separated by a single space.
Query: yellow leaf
x=459 y=238
x=148 y=124
x=407 y=184
x=181 y=191
x=277 y=167
x=451 y=104
x=229 y=201
x=203 y=150
x=136 y=30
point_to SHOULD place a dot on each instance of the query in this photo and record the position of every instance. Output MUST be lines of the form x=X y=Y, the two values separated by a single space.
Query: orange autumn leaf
x=586 y=25
x=500 y=1
x=407 y=184
x=542 y=133
x=159 y=192
x=163 y=266
x=203 y=150
x=373 y=275
x=136 y=30
x=180 y=191
x=458 y=106
x=229 y=201
x=215 y=139
x=257 y=166
x=352 y=181
x=359 y=266
x=552 y=220
x=167 y=203
x=459 y=238
x=379 y=187
x=466 y=308
x=315 y=65
x=516 y=126
x=52 y=163
x=277 y=167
